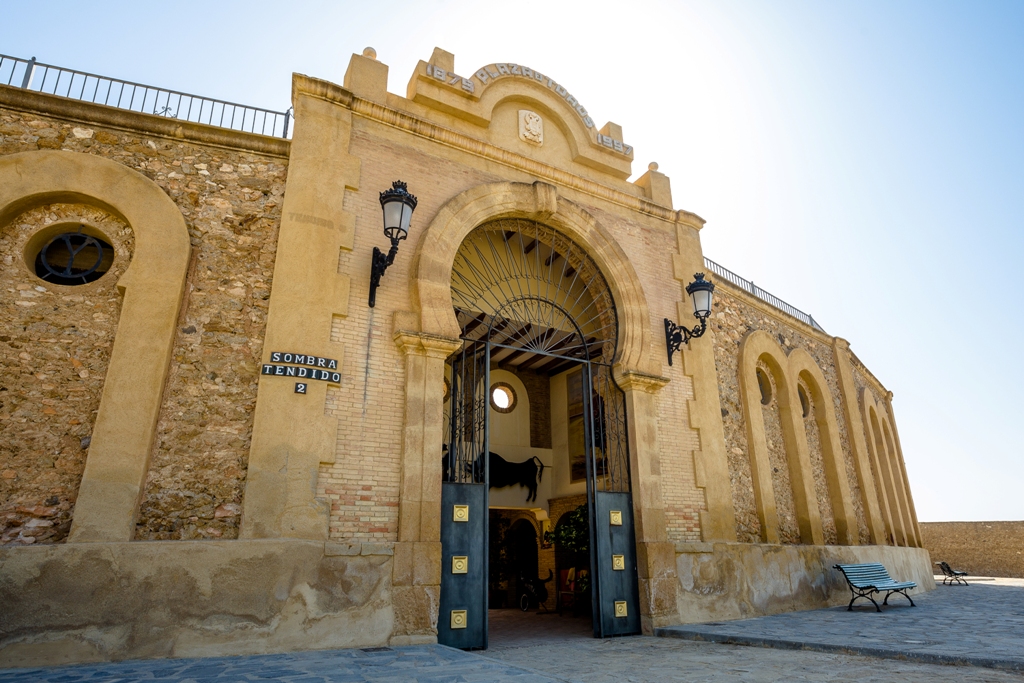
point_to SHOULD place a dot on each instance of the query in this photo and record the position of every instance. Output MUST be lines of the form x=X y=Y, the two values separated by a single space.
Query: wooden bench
x=869 y=578
x=951 y=574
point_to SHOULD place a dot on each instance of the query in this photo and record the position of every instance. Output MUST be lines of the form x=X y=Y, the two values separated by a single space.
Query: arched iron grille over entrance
x=530 y=300
x=531 y=289
x=541 y=304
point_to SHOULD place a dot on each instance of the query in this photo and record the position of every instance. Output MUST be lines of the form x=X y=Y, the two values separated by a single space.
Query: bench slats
x=872 y=577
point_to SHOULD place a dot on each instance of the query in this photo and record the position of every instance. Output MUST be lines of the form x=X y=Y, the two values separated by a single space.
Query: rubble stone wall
x=736 y=315
x=821 y=494
x=55 y=341
x=230 y=199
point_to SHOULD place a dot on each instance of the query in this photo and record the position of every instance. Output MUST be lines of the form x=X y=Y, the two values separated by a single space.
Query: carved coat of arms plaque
x=531 y=127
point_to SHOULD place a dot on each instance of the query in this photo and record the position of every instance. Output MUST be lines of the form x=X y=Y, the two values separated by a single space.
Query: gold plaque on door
x=459 y=617
x=460 y=513
x=620 y=609
x=618 y=562
x=616 y=517
x=460 y=564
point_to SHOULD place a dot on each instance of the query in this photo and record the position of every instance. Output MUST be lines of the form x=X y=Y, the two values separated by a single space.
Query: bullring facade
x=212 y=444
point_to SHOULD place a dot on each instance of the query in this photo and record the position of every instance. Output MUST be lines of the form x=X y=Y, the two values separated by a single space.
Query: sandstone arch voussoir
x=435 y=253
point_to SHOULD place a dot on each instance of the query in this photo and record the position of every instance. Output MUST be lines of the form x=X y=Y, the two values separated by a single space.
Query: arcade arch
x=430 y=332
x=888 y=470
x=760 y=356
x=151 y=287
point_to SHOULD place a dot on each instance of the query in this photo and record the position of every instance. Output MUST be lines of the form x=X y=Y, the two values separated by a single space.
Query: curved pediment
x=516 y=103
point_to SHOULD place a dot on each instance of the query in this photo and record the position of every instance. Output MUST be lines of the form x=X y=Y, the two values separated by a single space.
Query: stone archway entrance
x=530 y=300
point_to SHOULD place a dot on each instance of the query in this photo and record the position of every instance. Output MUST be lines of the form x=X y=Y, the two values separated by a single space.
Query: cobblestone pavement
x=980 y=624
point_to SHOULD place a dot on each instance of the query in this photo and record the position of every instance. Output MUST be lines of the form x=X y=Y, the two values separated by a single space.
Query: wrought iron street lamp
x=700 y=291
x=398 y=206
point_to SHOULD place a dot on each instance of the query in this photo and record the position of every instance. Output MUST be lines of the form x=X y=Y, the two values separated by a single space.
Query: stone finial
x=443 y=59
x=656 y=186
x=366 y=77
x=612 y=130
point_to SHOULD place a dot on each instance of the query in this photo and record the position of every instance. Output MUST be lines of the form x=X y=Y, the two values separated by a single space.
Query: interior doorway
x=536 y=502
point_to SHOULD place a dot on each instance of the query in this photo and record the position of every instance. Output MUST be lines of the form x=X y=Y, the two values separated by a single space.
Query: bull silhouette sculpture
x=503 y=473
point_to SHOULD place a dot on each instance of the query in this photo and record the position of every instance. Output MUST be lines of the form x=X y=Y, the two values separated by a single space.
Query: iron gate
x=527 y=297
x=462 y=620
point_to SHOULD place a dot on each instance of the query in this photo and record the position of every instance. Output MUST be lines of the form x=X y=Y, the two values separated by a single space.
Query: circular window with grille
x=503 y=397
x=69 y=256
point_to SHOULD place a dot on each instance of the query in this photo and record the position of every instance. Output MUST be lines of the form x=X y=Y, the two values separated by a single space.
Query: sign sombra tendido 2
x=306 y=367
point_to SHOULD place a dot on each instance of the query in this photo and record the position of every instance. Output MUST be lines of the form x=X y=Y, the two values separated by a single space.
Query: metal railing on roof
x=750 y=288
x=112 y=92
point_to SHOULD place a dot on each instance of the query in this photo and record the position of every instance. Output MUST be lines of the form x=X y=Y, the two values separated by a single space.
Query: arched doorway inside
x=536 y=312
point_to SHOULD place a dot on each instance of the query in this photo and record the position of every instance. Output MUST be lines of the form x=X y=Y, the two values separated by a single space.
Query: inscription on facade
x=493 y=72
x=307 y=367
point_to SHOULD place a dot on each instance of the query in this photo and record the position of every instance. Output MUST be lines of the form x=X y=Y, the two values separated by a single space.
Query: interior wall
x=562 y=484
x=512 y=428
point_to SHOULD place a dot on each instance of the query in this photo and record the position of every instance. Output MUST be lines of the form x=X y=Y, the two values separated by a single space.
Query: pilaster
x=291 y=434
x=416 y=578
x=711 y=462
x=656 y=567
x=903 y=468
x=858 y=445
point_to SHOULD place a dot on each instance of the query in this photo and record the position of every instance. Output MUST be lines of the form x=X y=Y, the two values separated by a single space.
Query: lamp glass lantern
x=701 y=292
x=398 y=206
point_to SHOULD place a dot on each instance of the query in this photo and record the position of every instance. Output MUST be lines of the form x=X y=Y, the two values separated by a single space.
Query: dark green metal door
x=615 y=591
x=462 y=619
x=528 y=298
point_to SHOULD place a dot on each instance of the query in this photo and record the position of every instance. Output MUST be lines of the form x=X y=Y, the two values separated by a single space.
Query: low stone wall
x=109 y=601
x=978 y=548
x=742 y=580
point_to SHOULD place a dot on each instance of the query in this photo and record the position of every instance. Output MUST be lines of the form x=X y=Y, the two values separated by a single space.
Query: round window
x=73 y=258
x=503 y=397
x=805 y=402
x=765 y=385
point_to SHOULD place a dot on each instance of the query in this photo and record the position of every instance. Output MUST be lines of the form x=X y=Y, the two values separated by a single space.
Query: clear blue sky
x=862 y=160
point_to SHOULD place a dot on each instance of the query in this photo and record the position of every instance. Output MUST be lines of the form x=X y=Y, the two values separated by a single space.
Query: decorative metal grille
x=530 y=299
x=535 y=295
x=466 y=416
x=608 y=449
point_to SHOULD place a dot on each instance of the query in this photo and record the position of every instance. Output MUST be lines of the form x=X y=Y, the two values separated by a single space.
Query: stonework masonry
x=56 y=346
x=239 y=513
x=231 y=202
x=737 y=315
x=978 y=548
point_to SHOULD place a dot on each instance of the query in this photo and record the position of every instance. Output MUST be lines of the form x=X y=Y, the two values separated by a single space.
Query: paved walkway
x=532 y=648
x=385 y=665
x=981 y=625
x=509 y=628
x=619 y=660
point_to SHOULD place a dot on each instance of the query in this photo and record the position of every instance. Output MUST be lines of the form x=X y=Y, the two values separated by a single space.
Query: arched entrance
x=531 y=302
